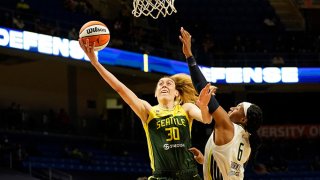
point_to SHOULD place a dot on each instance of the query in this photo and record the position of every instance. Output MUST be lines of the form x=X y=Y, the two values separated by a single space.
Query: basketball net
x=153 y=8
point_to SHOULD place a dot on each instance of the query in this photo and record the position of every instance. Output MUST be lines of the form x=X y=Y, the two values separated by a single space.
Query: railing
x=308 y=3
x=49 y=174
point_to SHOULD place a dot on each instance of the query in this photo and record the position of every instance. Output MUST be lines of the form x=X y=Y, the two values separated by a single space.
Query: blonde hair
x=187 y=92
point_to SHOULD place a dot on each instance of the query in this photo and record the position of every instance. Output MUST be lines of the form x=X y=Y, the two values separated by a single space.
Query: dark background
x=55 y=121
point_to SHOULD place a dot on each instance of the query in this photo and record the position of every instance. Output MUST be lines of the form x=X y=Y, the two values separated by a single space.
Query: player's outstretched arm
x=140 y=107
x=200 y=83
x=198 y=79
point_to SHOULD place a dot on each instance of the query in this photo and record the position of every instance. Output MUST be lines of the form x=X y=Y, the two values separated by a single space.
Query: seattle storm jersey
x=169 y=138
x=226 y=162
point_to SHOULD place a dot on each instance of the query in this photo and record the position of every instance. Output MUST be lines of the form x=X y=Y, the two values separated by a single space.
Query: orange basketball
x=96 y=32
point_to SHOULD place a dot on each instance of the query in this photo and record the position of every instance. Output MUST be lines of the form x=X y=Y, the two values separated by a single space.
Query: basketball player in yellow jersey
x=167 y=125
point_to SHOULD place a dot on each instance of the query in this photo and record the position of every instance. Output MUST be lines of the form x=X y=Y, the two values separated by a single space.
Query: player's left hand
x=185 y=38
x=198 y=156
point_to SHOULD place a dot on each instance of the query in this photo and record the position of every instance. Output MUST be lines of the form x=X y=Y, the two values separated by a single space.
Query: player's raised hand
x=89 y=50
x=185 y=38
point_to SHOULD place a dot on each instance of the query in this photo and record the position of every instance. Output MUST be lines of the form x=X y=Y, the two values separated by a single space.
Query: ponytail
x=254 y=117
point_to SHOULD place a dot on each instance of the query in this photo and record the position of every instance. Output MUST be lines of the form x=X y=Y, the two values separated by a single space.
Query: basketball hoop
x=153 y=8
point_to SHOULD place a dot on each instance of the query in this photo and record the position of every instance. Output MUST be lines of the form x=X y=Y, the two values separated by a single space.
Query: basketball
x=97 y=32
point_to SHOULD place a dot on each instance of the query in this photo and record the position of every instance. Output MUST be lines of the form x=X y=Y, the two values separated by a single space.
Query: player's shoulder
x=146 y=105
x=187 y=106
x=240 y=131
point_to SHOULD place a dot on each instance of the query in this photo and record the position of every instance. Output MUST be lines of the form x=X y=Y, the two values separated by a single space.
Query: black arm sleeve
x=199 y=82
